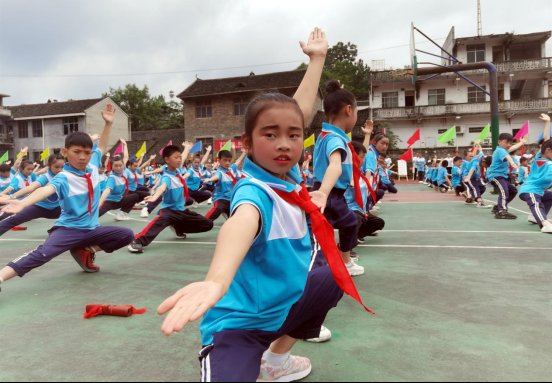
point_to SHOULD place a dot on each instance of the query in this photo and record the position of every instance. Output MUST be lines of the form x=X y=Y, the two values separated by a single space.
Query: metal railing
x=544 y=63
x=542 y=104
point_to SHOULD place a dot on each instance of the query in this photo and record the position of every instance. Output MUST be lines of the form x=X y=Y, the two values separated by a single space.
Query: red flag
x=523 y=131
x=407 y=156
x=415 y=137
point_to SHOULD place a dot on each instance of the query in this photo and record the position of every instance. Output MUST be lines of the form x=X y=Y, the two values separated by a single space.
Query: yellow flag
x=142 y=150
x=350 y=135
x=45 y=154
x=21 y=154
x=309 y=142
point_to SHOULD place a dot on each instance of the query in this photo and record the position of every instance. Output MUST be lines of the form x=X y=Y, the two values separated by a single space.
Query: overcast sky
x=67 y=49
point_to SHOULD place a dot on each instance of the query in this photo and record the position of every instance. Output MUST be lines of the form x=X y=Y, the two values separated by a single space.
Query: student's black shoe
x=469 y=201
x=443 y=190
x=505 y=215
x=495 y=209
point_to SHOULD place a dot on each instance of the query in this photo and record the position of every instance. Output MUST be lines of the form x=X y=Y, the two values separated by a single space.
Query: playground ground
x=459 y=296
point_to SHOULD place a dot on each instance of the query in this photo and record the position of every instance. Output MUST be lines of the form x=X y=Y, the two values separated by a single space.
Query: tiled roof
x=249 y=83
x=52 y=108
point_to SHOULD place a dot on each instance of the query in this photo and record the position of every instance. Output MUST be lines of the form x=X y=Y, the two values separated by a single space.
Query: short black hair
x=489 y=160
x=116 y=158
x=359 y=148
x=546 y=145
x=224 y=154
x=24 y=163
x=53 y=158
x=5 y=168
x=79 y=139
x=457 y=158
x=506 y=136
x=444 y=163
x=170 y=150
x=523 y=159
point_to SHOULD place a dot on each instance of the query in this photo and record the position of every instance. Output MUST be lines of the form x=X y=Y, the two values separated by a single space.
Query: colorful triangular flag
x=197 y=147
x=414 y=138
x=4 y=158
x=45 y=154
x=142 y=150
x=227 y=146
x=449 y=135
x=485 y=133
x=309 y=142
x=407 y=156
x=524 y=131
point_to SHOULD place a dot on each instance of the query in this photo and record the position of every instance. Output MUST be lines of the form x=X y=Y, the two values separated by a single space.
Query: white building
x=524 y=74
x=41 y=126
x=6 y=135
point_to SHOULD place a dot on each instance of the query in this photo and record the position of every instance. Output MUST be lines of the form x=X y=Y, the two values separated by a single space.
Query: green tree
x=147 y=112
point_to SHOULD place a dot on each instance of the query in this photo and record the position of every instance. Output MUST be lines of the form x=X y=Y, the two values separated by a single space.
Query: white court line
x=509 y=207
x=462 y=231
x=184 y=242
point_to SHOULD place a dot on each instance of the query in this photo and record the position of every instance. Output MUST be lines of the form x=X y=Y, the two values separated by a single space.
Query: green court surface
x=459 y=296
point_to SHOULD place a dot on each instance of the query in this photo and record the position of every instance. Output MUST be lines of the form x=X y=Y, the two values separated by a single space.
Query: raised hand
x=108 y=114
x=317 y=45
x=544 y=117
x=152 y=157
x=123 y=141
x=94 y=137
x=368 y=127
x=187 y=145
x=209 y=148
x=189 y=304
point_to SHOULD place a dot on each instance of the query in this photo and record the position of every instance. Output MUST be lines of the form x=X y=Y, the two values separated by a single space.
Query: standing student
x=419 y=165
x=464 y=170
x=48 y=208
x=173 y=212
x=499 y=174
x=473 y=178
x=333 y=168
x=534 y=190
x=259 y=297
x=78 y=189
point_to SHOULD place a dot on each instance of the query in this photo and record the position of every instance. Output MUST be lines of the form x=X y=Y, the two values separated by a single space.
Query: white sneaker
x=325 y=335
x=547 y=228
x=144 y=213
x=177 y=235
x=294 y=368
x=420 y=182
x=210 y=201
x=532 y=219
x=482 y=205
x=121 y=216
x=354 y=269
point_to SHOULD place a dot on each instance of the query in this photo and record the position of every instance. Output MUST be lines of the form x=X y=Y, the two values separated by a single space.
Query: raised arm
x=191 y=302
x=546 y=119
x=125 y=152
x=316 y=48
x=107 y=158
x=515 y=147
x=146 y=164
x=241 y=158
x=207 y=154
x=187 y=147
x=368 y=128
x=108 y=115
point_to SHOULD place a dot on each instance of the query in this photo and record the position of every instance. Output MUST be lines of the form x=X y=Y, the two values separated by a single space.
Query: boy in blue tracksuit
x=499 y=174
x=78 y=189
x=457 y=184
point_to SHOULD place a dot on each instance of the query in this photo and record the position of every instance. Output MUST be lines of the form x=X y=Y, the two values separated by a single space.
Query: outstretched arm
x=38 y=195
x=191 y=302
x=146 y=164
x=316 y=48
x=27 y=190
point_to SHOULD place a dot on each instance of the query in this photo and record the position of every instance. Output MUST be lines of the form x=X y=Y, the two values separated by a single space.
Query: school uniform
x=337 y=212
x=499 y=175
x=120 y=197
x=207 y=186
x=137 y=184
x=367 y=223
x=308 y=177
x=78 y=226
x=435 y=176
x=194 y=185
x=173 y=212
x=223 y=192
x=385 y=182
x=464 y=170
x=442 y=177
x=272 y=294
x=457 y=180
x=476 y=187
x=534 y=190
x=419 y=164
x=49 y=208
x=371 y=164
x=523 y=174
x=5 y=182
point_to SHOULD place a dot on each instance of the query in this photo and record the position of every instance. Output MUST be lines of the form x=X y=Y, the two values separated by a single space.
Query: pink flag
x=119 y=150
x=168 y=144
x=524 y=131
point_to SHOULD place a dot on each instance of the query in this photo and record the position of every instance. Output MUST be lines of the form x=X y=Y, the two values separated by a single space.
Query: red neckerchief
x=136 y=178
x=197 y=173
x=88 y=177
x=126 y=184
x=183 y=181
x=231 y=175
x=324 y=234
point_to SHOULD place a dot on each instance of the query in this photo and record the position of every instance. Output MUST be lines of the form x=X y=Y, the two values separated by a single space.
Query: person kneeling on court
x=173 y=212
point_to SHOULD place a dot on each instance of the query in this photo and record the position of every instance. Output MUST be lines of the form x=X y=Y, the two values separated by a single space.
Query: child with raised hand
x=194 y=178
x=78 y=189
x=499 y=174
x=534 y=190
x=473 y=178
x=173 y=212
x=48 y=208
x=258 y=293
x=136 y=178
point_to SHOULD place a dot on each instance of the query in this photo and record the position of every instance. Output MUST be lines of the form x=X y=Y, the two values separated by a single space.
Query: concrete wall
x=53 y=135
x=94 y=122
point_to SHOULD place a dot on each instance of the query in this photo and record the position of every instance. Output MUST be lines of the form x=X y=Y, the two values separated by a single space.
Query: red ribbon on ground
x=113 y=310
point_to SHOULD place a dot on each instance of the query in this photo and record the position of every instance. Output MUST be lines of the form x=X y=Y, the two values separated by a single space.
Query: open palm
x=317 y=44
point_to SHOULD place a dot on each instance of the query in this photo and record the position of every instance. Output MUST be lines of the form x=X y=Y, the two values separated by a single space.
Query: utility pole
x=479 y=23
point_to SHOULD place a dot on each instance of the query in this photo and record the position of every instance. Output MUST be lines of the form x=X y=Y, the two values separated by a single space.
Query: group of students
x=276 y=269
x=471 y=174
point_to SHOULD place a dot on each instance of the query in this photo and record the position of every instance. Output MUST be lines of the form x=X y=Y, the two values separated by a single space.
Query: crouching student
x=259 y=297
x=78 y=190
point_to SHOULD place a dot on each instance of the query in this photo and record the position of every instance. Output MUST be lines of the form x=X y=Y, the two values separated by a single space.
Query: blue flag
x=196 y=148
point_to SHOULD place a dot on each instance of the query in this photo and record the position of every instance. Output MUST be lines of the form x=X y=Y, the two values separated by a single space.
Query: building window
x=204 y=109
x=36 y=156
x=37 y=128
x=476 y=53
x=436 y=97
x=70 y=125
x=477 y=129
x=239 y=106
x=390 y=99
x=475 y=94
x=23 y=129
